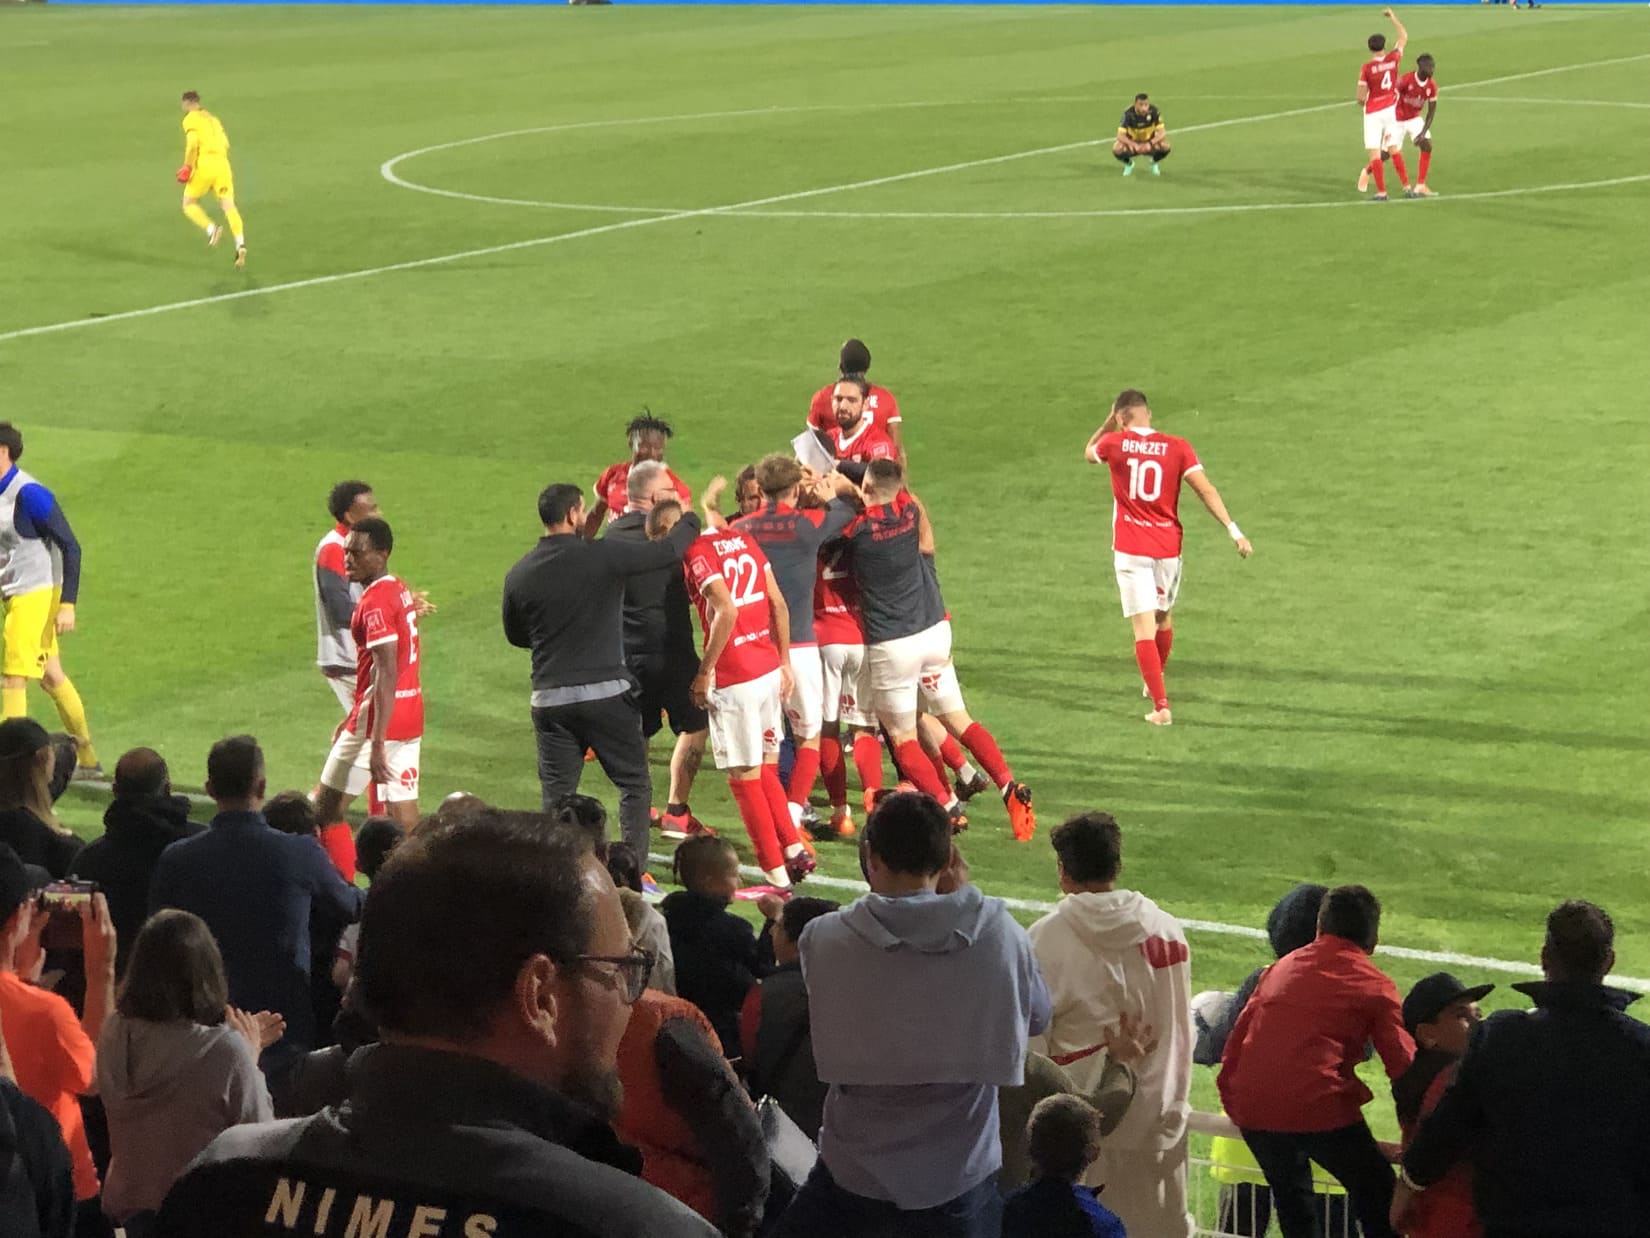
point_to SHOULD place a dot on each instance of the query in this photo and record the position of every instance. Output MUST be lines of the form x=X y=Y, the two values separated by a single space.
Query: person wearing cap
x=54 y=1054
x=27 y=823
x=1551 y=1106
x=1440 y=1013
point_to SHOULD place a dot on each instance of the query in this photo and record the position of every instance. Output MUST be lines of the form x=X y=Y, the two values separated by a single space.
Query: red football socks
x=1426 y=162
x=805 y=773
x=868 y=761
x=339 y=844
x=1403 y=172
x=918 y=770
x=1379 y=173
x=834 y=770
x=978 y=741
x=1151 y=671
x=951 y=752
x=1165 y=642
x=758 y=819
x=780 y=807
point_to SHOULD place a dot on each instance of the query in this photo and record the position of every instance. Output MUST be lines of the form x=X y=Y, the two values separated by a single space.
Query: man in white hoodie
x=1107 y=952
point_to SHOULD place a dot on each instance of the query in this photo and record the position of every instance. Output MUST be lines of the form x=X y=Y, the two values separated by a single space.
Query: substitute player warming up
x=378 y=743
x=1378 y=93
x=1146 y=471
x=206 y=170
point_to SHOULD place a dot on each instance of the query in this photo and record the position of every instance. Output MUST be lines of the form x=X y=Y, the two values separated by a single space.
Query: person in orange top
x=688 y=1116
x=53 y=1054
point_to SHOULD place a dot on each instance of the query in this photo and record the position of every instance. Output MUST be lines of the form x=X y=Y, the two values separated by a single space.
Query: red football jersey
x=738 y=562
x=1146 y=468
x=1381 y=76
x=383 y=616
x=880 y=404
x=1414 y=94
x=610 y=489
x=868 y=441
x=836 y=599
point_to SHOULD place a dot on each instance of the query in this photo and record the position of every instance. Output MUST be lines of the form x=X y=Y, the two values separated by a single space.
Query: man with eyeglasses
x=496 y=958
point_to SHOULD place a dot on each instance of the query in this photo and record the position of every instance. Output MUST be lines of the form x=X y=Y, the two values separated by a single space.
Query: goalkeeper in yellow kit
x=206 y=170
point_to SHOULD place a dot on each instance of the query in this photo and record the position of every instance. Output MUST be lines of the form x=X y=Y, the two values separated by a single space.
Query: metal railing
x=1227 y=1195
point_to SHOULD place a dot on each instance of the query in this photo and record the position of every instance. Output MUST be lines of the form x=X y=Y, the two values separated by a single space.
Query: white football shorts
x=746 y=722
x=1410 y=128
x=910 y=669
x=1381 y=129
x=847 y=685
x=343 y=689
x=347 y=769
x=806 y=708
x=1147 y=584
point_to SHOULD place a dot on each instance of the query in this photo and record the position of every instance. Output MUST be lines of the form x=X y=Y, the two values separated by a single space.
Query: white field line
x=732 y=208
x=1549 y=102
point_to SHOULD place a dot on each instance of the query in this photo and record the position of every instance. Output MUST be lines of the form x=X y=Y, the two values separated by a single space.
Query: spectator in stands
x=773 y=1026
x=27 y=824
x=142 y=820
x=920 y=1005
x=1551 y=1105
x=65 y=761
x=497 y=960
x=1440 y=1013
x=1244 y=1208
x=685 y=1112
x=53 y=1053
x=255 y=888
x=36 y=1174
x=1063 y=1138
x=717 y=961
x=1288 y=1077
x=647 y=927
x=293 y=812
x=176 y=1066
x=377 y=838
x=1107 y=953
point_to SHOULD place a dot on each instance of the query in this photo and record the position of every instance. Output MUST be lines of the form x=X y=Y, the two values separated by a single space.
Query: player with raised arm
x=206 y=170
x=1416 y=89
x=647 y=435
x=379 y=742
x=1141 y=132
x=744 y=676
x=880 y=404
x=1378 y=93
x=856 y=434
x=1147 y=469
x=908 y=642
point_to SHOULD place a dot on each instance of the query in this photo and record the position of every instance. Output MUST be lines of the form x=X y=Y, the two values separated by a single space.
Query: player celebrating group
x=206 y=170
x=1378 y=92
x=1146 y=471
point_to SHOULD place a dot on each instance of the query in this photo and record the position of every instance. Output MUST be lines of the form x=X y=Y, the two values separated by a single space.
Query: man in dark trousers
x=659 y=649
x=1552 y=1105
x=564 y=601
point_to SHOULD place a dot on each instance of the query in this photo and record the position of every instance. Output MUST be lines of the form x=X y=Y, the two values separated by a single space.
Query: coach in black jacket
x=1551 y=1104
x=565 y=601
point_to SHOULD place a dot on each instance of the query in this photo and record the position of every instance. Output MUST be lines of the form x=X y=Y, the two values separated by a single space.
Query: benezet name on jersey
x=1145 y=447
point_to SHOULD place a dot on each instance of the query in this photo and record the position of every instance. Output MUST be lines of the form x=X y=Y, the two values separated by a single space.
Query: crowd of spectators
x=508 y=1033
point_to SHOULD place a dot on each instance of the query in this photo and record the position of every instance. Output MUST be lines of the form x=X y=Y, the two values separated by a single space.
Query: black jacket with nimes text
x=429 y=1145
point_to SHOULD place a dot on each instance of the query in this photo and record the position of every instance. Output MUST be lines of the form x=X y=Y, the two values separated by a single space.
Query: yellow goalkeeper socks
x=73 y=713
x=198 y=217
x=14 y=702
x=237 y=228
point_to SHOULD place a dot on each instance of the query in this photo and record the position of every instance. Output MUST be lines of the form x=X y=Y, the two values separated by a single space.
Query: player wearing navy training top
x=908 y=641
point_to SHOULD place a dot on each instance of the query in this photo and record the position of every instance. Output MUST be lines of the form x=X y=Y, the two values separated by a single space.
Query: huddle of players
x=1392 y=111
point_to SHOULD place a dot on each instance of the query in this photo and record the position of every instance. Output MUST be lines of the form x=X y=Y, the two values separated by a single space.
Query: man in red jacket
x=1288 y=1077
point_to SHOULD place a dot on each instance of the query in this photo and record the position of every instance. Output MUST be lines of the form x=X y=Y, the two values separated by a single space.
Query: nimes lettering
x=329 y=1216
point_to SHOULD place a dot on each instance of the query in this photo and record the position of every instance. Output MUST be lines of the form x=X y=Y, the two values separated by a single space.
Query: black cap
x=21 y=737
x=17 y=881
x=1433 y=994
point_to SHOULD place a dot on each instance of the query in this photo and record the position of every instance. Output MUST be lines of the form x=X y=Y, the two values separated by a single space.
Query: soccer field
x=482 y=239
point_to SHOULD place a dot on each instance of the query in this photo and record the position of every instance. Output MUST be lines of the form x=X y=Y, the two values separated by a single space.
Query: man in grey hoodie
x=921 y=1005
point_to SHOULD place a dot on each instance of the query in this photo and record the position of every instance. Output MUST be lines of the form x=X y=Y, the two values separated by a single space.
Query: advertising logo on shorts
x=770 y=738
x=931 y=683
x=408 y=778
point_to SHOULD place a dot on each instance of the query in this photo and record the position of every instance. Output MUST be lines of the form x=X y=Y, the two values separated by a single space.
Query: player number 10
x=1145 y=479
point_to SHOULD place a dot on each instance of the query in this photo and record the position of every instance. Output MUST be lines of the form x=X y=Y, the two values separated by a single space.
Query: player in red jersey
x=743 y=679
x=847 y=717
x=647 y=435
x=1415 y=90
x=1146 y=471
x=855 y=434
x=379 y=741
x=1378 y=93
x=880 y=404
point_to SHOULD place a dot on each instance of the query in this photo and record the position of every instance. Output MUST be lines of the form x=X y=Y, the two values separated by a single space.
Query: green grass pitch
x=1432 y=676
